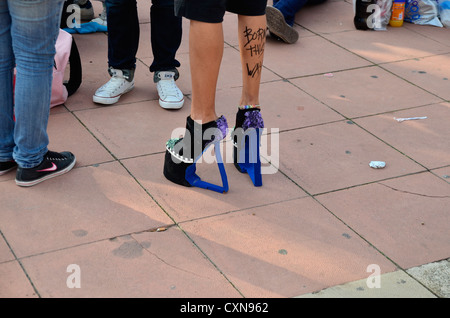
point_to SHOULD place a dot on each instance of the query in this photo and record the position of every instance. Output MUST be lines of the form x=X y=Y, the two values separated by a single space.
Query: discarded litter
x=328 y=75
x=409 y=118
x=377 y=164
x=159 y=229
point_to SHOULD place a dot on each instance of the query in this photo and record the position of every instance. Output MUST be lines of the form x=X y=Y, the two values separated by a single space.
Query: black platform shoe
x=182 y=154
x=247 y=139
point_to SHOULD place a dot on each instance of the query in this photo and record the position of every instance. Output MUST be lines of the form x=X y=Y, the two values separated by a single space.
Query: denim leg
x=6 y=85
x=289 y=8
x=123 y=33
x=34 y=29
x=166 y=32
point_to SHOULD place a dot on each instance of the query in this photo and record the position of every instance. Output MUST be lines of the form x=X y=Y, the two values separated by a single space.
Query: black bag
x=65 y=15
x=74 y=64
x=75 y=70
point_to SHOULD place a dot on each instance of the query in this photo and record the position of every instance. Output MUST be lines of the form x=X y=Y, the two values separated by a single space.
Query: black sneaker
x=7 y=166
x=86 y=10
x=277 y=26
x=53 y=165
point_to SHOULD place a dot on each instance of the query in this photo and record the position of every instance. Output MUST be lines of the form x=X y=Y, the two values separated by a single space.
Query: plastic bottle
x=362 y=13
x=398 y=13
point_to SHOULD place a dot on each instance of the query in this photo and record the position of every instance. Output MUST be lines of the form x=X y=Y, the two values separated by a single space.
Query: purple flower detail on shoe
x=253 y=120
x=222 y=124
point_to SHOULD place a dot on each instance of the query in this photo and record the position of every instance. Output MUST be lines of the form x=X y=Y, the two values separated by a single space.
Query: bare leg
x=252 y=39
x=206 y=51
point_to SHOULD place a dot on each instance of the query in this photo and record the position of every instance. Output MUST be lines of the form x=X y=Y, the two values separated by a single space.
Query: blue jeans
x=123 y=34
x=28 y=32
x=290 y=7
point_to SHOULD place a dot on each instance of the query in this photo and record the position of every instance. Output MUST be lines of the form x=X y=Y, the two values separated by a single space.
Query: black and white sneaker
x=121 y=82
x=7 y=166
x=170 y=96
x=277 y=26
x=53 y=165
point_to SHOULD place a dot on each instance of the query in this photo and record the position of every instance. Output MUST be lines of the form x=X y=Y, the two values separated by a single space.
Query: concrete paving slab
x=315 y=226
x=14 y=283
x=391 y=285
x=284 y=249
x=406 y=218
x=378 y=91
x=152 y=264
x=436 y=276
x=423 y=140
x=348 y=149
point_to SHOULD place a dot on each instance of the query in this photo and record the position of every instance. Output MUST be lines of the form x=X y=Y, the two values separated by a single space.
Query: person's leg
x=249 y=122
x=123 y=42
x=166 y=32
x=252 y=38
x=123 y=33
x=34 y=30
x=203 y=127
x=205 y=52
x=6 y=89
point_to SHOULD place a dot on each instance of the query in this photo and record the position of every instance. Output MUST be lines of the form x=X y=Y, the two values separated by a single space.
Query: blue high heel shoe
x=182 y=154
x=247 y=139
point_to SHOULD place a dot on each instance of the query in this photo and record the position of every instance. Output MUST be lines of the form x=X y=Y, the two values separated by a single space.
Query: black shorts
x=212 y=11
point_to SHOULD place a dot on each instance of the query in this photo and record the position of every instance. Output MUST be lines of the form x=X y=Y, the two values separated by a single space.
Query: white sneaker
x=101 y=17
x=170 y=96
x=121 y=82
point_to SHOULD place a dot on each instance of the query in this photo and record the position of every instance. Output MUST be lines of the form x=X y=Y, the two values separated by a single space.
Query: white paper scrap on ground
x=377 y=164
x=409 y=118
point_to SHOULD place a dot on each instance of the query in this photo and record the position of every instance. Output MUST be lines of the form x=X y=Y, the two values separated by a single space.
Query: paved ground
x=324 y=224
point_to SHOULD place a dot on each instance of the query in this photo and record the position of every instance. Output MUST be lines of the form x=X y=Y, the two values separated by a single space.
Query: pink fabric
x=63 y=46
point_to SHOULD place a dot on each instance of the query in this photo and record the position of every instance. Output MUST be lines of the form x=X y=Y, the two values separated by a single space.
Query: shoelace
x=113 y=84
x=54 y=156
x=168 y=87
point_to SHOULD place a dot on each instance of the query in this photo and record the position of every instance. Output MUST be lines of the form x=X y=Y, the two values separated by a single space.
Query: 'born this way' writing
x=250 y=36
x=255 y=70
x=254 y=41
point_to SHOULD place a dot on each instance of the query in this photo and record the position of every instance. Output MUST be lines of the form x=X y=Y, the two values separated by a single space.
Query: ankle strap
x=251 y=106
